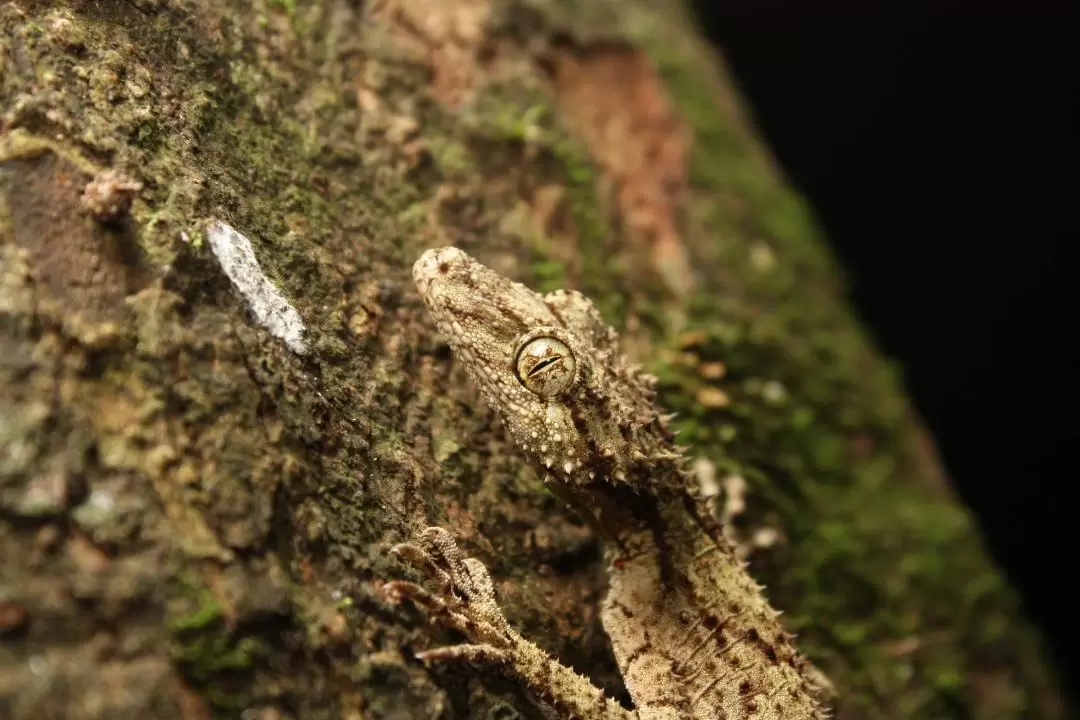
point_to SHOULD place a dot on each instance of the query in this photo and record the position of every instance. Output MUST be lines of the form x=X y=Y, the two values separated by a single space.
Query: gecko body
x=692 y=634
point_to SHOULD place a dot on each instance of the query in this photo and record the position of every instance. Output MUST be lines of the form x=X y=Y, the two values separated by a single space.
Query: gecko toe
x=421 y=561
x=477 y=654
x=445 y=551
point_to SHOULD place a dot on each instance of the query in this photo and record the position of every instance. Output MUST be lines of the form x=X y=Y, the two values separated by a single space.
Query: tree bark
x=205 y=454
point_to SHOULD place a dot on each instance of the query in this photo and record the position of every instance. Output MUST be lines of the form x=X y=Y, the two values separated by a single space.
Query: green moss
x=521 y=122
x=451 y=156
x=601 y=270
x=548 y=275
x=289 y=6
x=873 y=557
x=216 y=659
x=882 y=576
x=255 y=122
x=206 y=657
x=207 y=611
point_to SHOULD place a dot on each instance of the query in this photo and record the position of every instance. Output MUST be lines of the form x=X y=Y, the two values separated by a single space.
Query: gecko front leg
x=691 y=630
x=459 y=594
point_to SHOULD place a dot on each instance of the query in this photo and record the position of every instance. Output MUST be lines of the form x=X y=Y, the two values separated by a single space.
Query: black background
x=937 y=149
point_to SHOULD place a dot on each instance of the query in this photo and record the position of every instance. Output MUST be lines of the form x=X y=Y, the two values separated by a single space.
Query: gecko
x=692 y=633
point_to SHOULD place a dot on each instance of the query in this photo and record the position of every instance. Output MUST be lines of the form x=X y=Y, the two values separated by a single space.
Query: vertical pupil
x=543 y=365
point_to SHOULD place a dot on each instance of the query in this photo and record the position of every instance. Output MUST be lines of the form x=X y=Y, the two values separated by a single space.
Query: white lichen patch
x=268 y=304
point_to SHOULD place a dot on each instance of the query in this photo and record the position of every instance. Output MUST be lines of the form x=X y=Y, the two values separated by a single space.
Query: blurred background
x=937 y=147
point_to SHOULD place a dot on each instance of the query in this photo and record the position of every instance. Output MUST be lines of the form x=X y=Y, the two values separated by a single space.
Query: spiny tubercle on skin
x=690 y=629
x=606 y=427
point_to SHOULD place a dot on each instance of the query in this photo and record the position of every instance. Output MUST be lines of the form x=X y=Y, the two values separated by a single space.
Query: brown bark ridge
x=221 y=401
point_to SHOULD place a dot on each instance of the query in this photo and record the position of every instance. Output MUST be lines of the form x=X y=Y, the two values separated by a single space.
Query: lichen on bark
x=195 y=519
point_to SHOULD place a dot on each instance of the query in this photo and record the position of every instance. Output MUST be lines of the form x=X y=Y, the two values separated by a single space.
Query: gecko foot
x=459 y=594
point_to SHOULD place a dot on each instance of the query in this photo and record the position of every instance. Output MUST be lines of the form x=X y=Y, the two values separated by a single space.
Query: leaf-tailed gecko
x=692 y=633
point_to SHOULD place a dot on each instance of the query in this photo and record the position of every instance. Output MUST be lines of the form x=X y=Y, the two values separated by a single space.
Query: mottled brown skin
x=692 y=633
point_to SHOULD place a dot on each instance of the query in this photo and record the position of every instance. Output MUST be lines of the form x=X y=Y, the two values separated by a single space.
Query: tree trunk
x=207 y=448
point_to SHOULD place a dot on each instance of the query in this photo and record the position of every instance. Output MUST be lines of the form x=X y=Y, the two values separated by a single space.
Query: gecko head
x=550 y=367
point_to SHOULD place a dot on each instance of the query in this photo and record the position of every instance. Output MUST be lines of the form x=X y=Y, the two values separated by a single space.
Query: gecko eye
x=546 y=366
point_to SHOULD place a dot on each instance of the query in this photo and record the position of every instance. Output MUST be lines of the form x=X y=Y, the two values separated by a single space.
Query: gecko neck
x=645 y=516
x=676 y=585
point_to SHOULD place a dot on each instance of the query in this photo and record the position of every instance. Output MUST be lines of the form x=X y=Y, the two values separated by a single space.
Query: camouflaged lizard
x=691 y=631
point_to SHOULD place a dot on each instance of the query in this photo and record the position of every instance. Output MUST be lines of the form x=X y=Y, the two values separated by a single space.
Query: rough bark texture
x=194 y=518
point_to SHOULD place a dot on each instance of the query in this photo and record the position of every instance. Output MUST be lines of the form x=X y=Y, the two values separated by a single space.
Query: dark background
x=937 y=149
